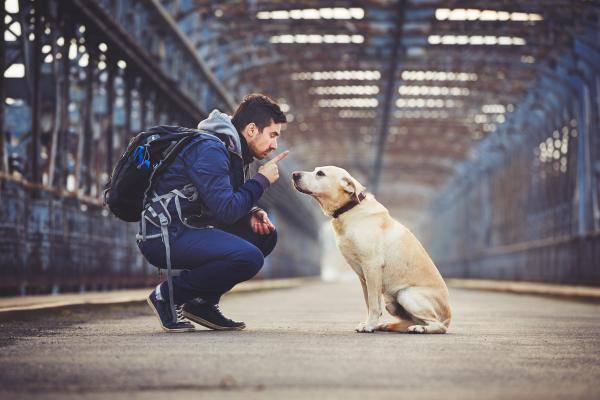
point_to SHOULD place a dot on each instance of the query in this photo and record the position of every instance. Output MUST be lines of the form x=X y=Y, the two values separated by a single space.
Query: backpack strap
x=164 y=229
x=162 y=219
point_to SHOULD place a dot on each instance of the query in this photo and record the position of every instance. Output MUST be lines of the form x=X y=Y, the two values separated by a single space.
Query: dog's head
x=331 y=186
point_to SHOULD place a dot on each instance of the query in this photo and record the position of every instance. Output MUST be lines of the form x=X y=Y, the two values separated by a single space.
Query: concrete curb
x=40 y=302
x=588 y=293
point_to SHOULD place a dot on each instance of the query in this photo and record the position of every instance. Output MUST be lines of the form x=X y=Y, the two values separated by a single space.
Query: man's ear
x=251 y=129
x=349 y=186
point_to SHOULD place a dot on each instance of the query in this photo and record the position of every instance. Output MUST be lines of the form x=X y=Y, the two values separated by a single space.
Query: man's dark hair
x=259 y=109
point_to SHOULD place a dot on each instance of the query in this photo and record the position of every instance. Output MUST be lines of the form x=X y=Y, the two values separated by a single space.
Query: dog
x=388 y=259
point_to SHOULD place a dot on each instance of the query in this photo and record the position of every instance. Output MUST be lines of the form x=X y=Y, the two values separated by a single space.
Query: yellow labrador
x=385 y=255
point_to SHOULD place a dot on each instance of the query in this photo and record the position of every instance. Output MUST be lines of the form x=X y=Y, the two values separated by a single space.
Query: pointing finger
x=279 y=157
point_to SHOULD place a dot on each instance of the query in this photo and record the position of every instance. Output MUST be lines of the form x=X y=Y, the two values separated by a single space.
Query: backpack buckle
x=164 y=221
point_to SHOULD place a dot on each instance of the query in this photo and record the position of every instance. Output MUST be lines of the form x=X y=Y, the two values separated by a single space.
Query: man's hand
x=270 y=169
x=259 y=222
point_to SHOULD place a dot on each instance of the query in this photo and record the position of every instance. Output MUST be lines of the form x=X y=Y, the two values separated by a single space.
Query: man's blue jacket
x=216 y=163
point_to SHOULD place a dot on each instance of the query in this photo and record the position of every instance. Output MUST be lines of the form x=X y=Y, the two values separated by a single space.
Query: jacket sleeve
x=208 y=169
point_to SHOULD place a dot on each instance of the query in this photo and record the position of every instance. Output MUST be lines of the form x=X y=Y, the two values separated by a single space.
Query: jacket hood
x=218 y=122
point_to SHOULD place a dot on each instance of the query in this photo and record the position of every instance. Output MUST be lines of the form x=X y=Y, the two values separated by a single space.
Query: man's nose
x=296 y=175
x=274 y=145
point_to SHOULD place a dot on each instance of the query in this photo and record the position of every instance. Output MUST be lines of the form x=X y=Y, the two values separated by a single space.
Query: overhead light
x=337 y=75
x=489 y=127
x=470 y=14
x=351 y=102
x=525 y=59
x=481 y=119
x=357 y=114
x=493 y=109
x=317 y=39
x=344 y=90
x=475 y=40
x=409 y=90
x=438 y=76
x=313 y=13
x=427 y=103
x=421 y=114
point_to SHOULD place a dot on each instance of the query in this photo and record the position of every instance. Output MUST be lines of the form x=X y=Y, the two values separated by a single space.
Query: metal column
x=389 y=95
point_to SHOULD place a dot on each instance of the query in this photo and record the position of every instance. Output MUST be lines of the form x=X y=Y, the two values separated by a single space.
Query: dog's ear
x=349 y=186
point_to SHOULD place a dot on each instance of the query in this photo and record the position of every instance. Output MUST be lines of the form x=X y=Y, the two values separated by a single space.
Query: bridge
x=475 y=123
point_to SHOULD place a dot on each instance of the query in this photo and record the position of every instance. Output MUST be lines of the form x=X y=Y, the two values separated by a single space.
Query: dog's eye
x=320 y=173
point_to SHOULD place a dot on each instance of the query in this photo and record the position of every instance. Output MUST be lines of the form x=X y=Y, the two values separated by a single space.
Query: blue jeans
x=215 y=260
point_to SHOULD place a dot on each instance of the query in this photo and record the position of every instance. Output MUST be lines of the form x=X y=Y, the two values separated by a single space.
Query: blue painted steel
x=515 y=213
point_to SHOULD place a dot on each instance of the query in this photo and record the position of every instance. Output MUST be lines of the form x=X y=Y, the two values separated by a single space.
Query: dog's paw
x=417 y=329
x=365 y=328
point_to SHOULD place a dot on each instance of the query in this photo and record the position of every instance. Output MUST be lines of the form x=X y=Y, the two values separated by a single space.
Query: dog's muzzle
x=298 y=187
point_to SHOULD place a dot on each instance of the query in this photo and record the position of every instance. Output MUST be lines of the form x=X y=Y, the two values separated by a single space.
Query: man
x=222 y=239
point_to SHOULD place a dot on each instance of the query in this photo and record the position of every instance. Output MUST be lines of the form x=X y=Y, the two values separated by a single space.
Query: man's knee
x=249 y=260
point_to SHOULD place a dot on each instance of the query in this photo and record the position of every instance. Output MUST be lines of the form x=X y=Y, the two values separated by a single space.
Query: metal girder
x=396 y=56
x=3 y=149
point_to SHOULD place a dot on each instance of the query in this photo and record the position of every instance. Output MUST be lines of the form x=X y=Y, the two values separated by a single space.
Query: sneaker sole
x=210 y=325
x=176 y=330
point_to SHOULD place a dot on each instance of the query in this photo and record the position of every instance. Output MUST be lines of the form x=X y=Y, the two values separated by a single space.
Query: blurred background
x=474 y=122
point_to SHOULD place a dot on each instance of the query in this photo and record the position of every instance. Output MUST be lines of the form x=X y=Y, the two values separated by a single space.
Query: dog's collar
x=349 y=206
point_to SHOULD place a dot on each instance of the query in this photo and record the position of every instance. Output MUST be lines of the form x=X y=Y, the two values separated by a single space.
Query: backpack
x=147 y=155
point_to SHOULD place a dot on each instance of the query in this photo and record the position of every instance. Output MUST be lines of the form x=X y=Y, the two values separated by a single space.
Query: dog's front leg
x=372 y=282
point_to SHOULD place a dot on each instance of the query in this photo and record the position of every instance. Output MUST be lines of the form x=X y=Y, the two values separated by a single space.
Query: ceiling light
x=438 y=76
x=337 y=75
x=426 y=103
x=317 y=39
x=471 y=14
x=475 y=40
x=357 y=114
x=409 y=90
x=351 y=102
x=493 y=109
x=313 y=13
x=344 y=90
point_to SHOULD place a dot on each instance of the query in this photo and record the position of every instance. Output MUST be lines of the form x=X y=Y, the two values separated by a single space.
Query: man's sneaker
x=162 y=309
x=210 y=316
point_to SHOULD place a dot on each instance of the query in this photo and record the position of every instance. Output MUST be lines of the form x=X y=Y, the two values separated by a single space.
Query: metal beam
x=3 y=151
x=95 y=15
x=36 y=107
x=389 y=94
x=110 y=107
x=187 y=44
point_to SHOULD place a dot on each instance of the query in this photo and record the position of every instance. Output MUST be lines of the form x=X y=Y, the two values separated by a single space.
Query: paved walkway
x=300 y=344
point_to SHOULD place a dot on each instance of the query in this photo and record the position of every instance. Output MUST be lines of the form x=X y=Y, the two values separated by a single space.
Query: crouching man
x=221 y=239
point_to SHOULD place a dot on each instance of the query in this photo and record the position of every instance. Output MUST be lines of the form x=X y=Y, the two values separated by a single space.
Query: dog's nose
x=296 y=175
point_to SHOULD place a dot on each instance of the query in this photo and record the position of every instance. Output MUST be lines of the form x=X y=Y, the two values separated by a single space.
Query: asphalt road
x=300 y=344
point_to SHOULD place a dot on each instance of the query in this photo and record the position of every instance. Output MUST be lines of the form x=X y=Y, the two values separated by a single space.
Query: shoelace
x=179 y=313
x=218 y=310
